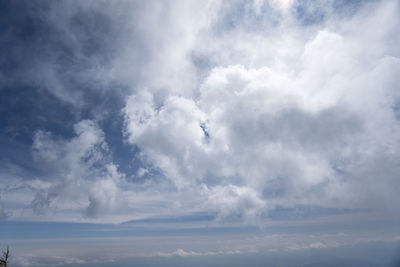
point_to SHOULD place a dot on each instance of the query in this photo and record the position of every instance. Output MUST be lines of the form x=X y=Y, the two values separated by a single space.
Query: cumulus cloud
x=104 y=194
x=281 y=131
x=281 y=4
x=232 y=107
x=79 y=169
x=235 y=203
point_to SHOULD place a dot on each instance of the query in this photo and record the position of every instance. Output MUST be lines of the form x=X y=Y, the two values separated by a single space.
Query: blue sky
x=199 y=131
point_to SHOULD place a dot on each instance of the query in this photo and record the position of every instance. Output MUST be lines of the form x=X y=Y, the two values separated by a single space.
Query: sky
x=200 y=133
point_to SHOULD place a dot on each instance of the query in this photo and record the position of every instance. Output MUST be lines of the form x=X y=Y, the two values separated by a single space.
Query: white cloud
x=145 y=124
x=182 y=253
x=235 y=203
x=239 y=106
x=142 y=172
x=47 y=261
x=79 y=171
x=300 y=128
x=104 y=193
x=282 y=4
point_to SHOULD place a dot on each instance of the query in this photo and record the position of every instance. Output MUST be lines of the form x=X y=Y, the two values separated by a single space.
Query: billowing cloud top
x=113 y=111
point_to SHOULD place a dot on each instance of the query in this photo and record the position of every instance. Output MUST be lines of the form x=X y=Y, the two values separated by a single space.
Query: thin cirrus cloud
x=229 y=108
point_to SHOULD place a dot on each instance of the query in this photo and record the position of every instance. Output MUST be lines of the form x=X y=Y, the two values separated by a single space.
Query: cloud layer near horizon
x=233 y=108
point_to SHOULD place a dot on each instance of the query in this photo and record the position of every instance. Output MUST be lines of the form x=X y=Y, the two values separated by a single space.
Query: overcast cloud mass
x=278 y=120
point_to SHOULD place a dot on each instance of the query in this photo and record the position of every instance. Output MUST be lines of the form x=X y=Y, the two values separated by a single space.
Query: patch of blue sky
x=244 y=14
x=297 y=220
x=310 y=13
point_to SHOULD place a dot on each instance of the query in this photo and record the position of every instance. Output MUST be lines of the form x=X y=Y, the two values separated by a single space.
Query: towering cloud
x=308 y=117
x=229 y=107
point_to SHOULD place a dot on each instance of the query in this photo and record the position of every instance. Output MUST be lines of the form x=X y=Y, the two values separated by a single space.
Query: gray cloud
x=3 y=214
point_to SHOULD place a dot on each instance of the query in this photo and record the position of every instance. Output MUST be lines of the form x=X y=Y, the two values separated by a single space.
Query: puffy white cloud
x=145 y=124
x=62 y=154
x=241 y=106
x=312 y=125
x=235 y=203
x=104 y=193
x=282 y=4
x=79 y=171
